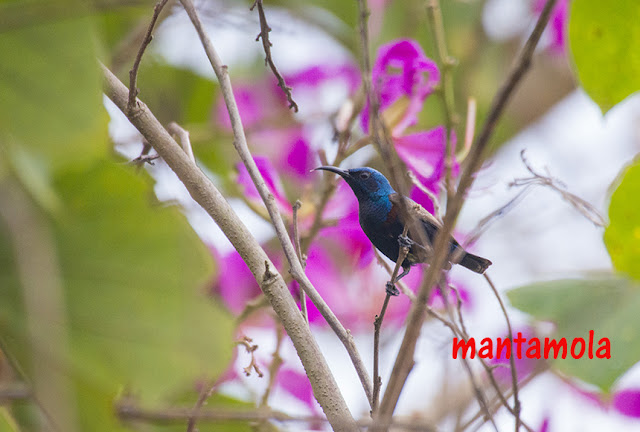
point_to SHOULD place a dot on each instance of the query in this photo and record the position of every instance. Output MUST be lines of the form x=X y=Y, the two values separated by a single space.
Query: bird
x=381 y=219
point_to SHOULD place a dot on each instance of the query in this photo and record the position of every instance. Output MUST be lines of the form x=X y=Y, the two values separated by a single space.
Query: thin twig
x=586 y=209
x=470 y=128
x=377 y=324
x=266 y=44
x=476 y=387
x=143 y=159
x=447 y=63
x=478 y=393
x=177 y=130
x=404 y=361
x=15 y=392
x=133 y=73
x=459 y=308
x=512 y=361
x=296 y=242
x=274 y=367
x=492 y=217
x=128 y=46
x=403 y=287
x=251 y=349
x=338 y=413
x=272 y=284
x=496 y=402
x=127 y=410
x=206 y=393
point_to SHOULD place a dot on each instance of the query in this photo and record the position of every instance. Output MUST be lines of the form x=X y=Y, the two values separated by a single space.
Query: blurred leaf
x=605 y=43
x=35 y=177
x=608 y=306
x=622 y=236
x=134 y=279
x=7 y=423
x=175 y=94
x=51 y=91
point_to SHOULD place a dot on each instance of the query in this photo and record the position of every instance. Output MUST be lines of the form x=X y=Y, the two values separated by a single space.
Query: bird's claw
x=392 y=290
x=405 y=241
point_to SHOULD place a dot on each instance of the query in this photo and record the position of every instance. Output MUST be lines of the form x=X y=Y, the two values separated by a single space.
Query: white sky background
x=542 y=238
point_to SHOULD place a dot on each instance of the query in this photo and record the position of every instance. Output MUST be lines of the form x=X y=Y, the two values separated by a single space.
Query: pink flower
x=297 y=384
x=403 y=77
x=355 y=294
x=272 y=129
x=627 y=402
x=235 y=283
x=402 y=70
x=557 y=23
x=272 y=181
x=318 y=75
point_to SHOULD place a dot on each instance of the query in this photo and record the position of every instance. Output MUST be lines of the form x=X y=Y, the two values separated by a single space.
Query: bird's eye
x=364 y=175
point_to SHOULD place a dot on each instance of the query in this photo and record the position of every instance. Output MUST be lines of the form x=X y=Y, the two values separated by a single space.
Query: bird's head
x=365 y=182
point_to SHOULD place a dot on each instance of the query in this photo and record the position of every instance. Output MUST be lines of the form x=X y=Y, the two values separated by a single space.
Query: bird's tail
x=475 y=263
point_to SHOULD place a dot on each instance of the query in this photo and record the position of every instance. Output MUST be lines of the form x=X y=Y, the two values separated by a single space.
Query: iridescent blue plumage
x=381 y=220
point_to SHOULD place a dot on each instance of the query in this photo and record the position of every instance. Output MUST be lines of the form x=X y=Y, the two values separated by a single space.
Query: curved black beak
x=342 y=173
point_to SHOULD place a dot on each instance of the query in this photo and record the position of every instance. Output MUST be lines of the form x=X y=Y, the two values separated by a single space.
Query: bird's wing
x=414 y=209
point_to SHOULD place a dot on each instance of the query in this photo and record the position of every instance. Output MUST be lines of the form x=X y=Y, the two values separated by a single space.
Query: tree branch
x=240 y=144
x=271 y=282
x=447 y=63
x=266 y=44
x=133 y=73
x=404 y=361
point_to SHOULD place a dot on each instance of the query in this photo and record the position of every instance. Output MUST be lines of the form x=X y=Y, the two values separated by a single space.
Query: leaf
x=622 y=236
x=605 y=44
x=134 y=282
x=51 y=87
x=608 y=306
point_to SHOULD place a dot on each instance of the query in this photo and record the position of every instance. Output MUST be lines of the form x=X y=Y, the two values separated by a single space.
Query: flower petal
x=627 y=402
x=271 y=179
x=235 y=284
x=402 y=70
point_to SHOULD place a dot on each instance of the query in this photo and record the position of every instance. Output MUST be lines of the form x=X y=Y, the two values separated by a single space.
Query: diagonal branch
x=240 y=144
x=271 y=282
x=133 y=73
x=266 y=44
x=404 y=361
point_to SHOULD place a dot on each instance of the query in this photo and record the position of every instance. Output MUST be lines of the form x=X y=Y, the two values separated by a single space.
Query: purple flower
x=524 y=365
x=403 y=77
x=252 y=100
x=235 y=283
x=297 y=384
x=557 y=23
x=355 y=294
x=271 y=179
x=402 y=71
x=318 y=75
x=627 y=402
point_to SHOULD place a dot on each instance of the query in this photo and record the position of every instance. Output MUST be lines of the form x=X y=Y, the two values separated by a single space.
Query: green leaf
x=605 y=43
x=608 y=306
x=622 y=236
x=175 y=94
x=51 y=90
x=134 y=277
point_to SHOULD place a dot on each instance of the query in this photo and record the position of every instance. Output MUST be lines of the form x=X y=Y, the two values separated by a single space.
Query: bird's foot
x=405 y=241
x=392 y=290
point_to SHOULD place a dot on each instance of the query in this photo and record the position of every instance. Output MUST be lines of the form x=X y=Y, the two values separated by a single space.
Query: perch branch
x=240 y=143
x=405 y=359
x=271 y=282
